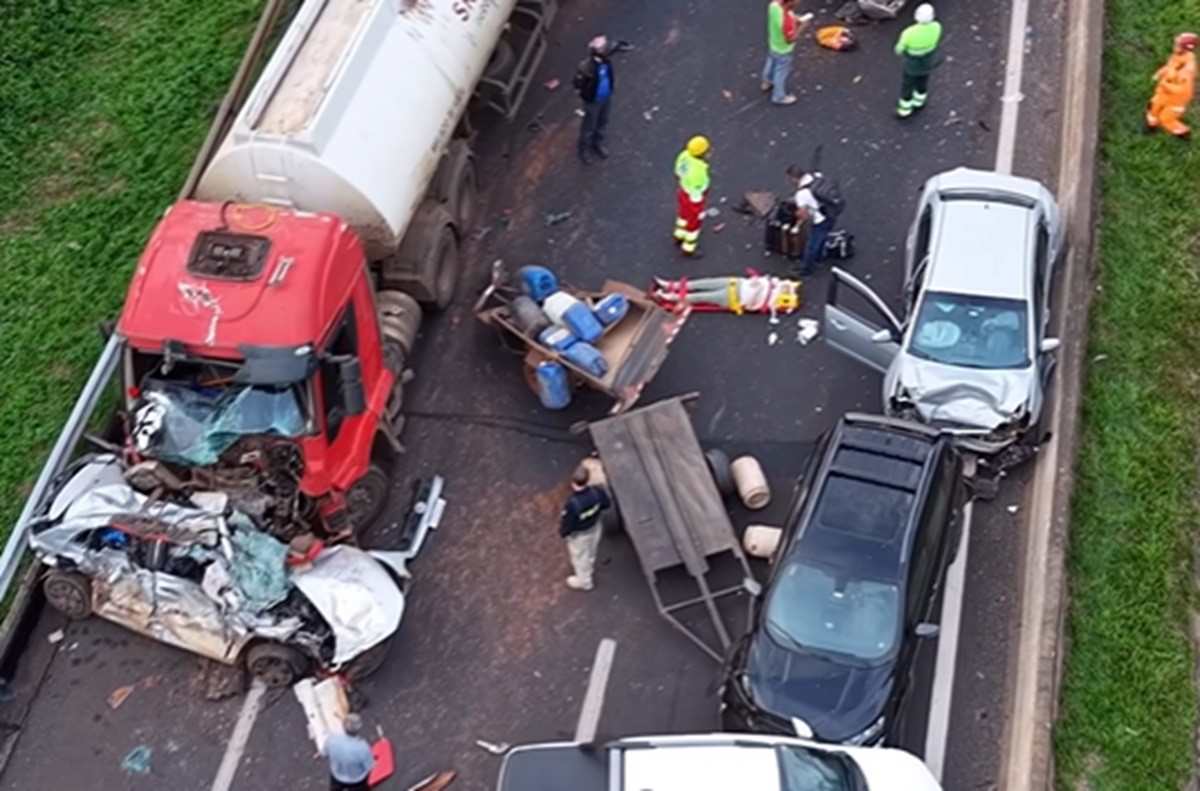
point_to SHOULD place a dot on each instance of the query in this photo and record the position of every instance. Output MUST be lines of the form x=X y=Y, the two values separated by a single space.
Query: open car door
x=853 y=335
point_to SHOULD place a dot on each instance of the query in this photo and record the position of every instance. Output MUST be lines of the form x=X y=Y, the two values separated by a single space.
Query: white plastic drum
x=761 y=541
x=751 y=482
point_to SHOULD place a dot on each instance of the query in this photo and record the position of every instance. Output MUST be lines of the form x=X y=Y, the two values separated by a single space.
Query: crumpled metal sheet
x=979 y=399
x=355 y=595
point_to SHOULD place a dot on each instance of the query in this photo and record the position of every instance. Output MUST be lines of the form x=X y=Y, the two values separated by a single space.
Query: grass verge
x=104 y=104
x=1128 y=703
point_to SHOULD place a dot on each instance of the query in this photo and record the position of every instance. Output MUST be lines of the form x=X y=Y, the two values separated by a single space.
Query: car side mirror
x=924 y=630
x=354 y=397
x=1049 y=344
x=882 y=336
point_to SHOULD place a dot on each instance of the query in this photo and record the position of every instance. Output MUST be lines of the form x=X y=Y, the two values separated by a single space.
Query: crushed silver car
x=190 y=569
x=971 y=354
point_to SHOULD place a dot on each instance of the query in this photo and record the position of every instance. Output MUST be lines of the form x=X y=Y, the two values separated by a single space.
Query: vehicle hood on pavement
x=968 y=397
x=355 y=595
x=837 y=700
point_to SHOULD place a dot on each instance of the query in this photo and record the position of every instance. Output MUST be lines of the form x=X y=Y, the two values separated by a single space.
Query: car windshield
x=821 y=610
x=195 y=425
x=802 y=769
x=971 y=331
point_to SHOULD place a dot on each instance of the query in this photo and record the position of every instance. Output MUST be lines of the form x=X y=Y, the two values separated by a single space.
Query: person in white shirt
x=808 y=207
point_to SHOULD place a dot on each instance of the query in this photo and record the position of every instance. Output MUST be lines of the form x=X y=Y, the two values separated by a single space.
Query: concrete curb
x=1028 y=760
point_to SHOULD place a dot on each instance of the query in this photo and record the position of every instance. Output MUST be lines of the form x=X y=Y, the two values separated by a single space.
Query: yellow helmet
x=698 y=146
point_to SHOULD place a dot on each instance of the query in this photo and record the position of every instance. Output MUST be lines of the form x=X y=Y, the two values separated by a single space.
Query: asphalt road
x=494 y=646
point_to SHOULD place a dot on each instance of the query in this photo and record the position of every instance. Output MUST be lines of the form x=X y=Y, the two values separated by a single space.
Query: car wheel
x=368 y=662
x=367 y=498
x=722 y=471
x=276 y=665
x=69 y=593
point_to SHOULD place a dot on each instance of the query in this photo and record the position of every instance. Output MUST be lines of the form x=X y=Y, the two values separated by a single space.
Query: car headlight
x=868 y=735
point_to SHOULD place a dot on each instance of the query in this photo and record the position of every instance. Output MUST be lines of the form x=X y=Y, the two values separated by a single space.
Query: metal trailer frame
x=512 y=89
x=671 y=508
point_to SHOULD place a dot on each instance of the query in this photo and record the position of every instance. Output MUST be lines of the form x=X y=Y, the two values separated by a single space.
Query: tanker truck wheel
x=457 y=185
x=426 y=265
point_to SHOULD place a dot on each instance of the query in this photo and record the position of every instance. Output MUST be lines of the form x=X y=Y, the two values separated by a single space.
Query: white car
x=972 y=353
x=712 y=762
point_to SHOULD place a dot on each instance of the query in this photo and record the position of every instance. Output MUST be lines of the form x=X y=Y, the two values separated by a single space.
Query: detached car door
x=855 y=335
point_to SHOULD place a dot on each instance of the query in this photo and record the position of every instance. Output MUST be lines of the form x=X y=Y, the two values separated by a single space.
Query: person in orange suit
x=1175 y=85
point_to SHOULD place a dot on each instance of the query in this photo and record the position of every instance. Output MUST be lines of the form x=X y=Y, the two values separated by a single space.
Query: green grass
x=103 y=104
x=1128 y=706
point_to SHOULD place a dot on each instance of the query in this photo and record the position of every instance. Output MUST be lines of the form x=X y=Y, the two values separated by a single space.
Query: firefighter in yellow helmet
x=1175 y=83
x=691 y=173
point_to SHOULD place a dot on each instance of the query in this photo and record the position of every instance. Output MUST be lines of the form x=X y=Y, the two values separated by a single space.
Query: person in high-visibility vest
x=1175 y=83
x=918 y=45
x=691 y=171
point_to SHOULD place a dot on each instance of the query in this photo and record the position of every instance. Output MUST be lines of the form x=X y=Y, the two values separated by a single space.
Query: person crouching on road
x=691 y=173
x=594 y=80
x=820 y=219
x=918 y=45
x=350 y=757
x=1175 y=84
x=580 y=526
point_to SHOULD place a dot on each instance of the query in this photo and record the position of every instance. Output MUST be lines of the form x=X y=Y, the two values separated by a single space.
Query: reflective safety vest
x=920 y=39
x=692 y=173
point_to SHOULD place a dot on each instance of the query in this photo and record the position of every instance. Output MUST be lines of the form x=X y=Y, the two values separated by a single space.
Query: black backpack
x=828 y=194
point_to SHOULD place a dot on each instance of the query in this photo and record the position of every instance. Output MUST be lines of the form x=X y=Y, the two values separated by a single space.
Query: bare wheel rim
x=275 y=671
x=366 y=498
x=66 y=597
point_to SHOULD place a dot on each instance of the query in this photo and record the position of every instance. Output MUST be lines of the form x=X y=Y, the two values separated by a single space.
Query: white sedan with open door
x=972 y=353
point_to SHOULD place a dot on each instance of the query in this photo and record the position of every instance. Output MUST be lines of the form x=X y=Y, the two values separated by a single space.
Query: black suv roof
x=873 y=483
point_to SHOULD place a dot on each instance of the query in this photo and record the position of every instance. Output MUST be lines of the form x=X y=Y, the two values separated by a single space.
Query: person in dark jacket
x=595 y=81
x=580 y=526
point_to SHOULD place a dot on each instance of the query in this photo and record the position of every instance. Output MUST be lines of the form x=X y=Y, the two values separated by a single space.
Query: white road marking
x=938 y=727
x=593 y=700
x=1014 y=64
x=240 y=736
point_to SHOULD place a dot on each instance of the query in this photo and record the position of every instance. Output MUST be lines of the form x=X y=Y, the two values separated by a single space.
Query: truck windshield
x=971 y=331
x=802 y=769
x=194 y=425
x=813 y=609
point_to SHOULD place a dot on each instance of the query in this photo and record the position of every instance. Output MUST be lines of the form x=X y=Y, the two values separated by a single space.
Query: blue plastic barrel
x=581 y=321
x=587 y=357
x=557 y=338
x=537 y=282
x=612 y=309
x=553 y=385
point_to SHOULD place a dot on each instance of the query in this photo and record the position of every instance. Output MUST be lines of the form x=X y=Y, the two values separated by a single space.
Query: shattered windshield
x=194 y=425
x=971 y=331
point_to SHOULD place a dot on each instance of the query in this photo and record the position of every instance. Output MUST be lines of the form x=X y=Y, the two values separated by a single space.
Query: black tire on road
x=276 y=665
x=458 y=186
x=68 y=592
x=722 y=471
x=367 y=498
x=368 y=662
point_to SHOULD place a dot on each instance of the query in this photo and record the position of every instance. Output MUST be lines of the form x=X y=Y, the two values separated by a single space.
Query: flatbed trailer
x=674 y=515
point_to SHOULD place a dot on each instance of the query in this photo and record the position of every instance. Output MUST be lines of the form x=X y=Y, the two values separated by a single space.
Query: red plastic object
x=384 y=762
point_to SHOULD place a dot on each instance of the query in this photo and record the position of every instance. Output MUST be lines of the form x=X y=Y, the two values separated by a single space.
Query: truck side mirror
x=354 y=397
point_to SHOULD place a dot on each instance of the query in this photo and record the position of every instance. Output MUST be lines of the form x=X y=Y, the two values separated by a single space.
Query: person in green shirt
x=783 y=28
x=918 y=45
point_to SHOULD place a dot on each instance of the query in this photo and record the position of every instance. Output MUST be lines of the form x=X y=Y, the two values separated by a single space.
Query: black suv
x=875 y=521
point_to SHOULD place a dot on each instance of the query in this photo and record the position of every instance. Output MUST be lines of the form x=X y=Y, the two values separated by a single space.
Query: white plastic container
x=761 y=541
x=751 y=482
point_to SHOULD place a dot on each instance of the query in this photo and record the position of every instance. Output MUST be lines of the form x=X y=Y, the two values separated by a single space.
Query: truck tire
x=399 y=319
x=426 y=266
x=457 y=186
x=368 y=498
x=722 y=471
x=502 y=62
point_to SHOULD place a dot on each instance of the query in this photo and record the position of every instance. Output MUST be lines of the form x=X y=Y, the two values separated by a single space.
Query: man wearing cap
x=918 y=45
x=350 y=757
x=691 y=174
x=579 y=524
x=594 y=81
x=1175 y=83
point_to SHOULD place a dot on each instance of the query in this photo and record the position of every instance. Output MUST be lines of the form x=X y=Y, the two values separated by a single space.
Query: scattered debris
x=579 y=112
x=435 y=782
x=222 y=681
x=494 y=749
x=119 y=695
x=648 y=114
x=756 y=202
x=138 y=760
x=1099 y=358
x=150 y=682
x=555 y=218
x=712 y=212
x=808 y=330
x=857 y=79
x=325 y=707
x=56 y=636
x=727 y=94
x=385 y=759
x=773 y=339
x=1012 y=509
x=552 y=83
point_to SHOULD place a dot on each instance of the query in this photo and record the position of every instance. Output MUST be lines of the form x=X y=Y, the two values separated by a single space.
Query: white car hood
x=969 y=397
x=356 y=596
x=893 y=770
